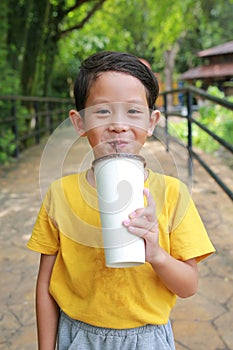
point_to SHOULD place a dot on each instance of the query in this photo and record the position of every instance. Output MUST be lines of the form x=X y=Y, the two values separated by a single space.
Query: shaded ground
x=201 y=322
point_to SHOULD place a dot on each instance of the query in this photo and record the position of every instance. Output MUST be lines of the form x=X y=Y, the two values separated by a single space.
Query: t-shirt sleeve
x=45 y=234
x=188 y=237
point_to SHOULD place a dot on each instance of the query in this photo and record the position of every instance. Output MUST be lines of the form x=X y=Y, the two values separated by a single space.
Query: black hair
x=105 y=61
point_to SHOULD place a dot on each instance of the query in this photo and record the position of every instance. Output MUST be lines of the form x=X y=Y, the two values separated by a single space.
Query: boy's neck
x=91 y=177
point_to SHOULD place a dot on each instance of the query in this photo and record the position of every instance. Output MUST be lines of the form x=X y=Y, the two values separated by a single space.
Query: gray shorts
x=76 y=335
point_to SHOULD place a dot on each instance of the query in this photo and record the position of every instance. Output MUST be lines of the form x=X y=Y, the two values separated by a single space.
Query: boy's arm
x=180 y=277
x=47 y=311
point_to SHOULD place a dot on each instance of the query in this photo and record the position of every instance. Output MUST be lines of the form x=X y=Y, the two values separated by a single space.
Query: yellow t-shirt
x=68 y=225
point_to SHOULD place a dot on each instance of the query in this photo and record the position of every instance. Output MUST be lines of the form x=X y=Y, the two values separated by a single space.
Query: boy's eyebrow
x=99 y=101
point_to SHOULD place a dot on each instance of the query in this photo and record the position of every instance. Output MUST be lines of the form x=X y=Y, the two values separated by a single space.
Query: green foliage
x=43 y=42
x=7 y=138
x=98 y=34
x=209 y=23
x=9 y=82
x=7 y=146
x=8 y=130
x=218 y=119
x=215 y=117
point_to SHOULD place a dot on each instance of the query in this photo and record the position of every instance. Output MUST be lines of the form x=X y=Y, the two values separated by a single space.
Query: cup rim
x=120 y=155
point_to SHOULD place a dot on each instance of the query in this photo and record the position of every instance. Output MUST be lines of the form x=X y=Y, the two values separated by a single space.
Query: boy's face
x=117 y=117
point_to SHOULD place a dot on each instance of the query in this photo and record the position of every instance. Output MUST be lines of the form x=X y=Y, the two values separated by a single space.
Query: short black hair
x=105 y=61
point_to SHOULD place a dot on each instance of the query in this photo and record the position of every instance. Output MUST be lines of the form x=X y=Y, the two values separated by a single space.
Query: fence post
x=15 y=129
x=166 y=122
x=37 y=126
x=49 y=125
x=190 y=143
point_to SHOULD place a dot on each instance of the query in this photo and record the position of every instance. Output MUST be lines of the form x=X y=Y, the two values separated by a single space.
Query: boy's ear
x=77 y=122
x=154 y=118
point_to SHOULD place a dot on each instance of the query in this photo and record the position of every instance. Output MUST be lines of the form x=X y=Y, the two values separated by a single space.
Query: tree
x=57 y=30
x=34 y=30
x=166 y=33
x=33 y=45
x=212 y=24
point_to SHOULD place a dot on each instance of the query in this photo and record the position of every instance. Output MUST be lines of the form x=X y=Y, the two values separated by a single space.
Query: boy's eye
x=134 y=112
x=103 y=112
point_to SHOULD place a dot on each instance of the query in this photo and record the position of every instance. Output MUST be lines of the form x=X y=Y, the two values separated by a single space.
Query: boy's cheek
x=91 y=122
x=99 y=148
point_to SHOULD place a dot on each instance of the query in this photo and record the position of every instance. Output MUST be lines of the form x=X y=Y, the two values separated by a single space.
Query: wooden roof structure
x=219 y=67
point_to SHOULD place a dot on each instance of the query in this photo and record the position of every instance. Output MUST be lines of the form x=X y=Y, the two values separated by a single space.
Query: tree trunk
x=41 y=46
x=169 y=57
x=50 y=44
x=18 y=14
x=33 y=46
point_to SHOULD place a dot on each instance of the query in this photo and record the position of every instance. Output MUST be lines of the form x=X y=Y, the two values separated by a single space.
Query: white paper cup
x=120 y=182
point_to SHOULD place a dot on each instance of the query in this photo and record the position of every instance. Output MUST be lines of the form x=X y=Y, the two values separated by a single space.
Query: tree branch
x=85 y=19
x=74 y=7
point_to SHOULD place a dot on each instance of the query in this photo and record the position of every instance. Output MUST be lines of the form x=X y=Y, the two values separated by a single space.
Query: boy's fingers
x=143 y=231
x=137 y=213
x=150 y=210
x=143 y=224
x=149 y=198
x=147 y=213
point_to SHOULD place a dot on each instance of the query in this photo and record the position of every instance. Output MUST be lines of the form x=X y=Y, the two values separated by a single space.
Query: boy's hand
x=143 y=223
x=180 y=277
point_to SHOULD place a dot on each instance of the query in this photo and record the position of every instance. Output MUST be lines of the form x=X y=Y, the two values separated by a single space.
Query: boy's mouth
x=118 y=145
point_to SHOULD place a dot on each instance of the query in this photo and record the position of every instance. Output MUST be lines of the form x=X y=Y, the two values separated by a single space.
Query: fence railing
x=188 y=107
x=25 y=120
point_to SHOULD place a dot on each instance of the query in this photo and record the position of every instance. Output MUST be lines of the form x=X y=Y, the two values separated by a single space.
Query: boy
x=80 y=302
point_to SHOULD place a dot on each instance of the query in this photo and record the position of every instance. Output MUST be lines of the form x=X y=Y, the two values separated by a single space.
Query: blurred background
x=43 y=42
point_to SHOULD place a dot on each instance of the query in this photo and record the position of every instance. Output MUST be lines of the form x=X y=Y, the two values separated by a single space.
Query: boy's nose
x=118 y=123
x=118 y=127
